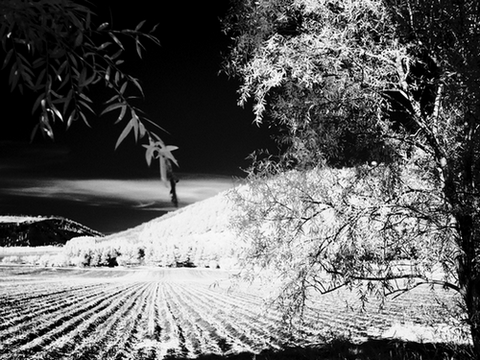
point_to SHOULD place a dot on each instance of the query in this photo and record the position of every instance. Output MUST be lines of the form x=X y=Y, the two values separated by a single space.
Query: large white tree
x=392 y=84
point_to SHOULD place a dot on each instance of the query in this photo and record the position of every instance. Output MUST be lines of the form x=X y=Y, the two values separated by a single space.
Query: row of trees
x=356 y=82
x=88 y=251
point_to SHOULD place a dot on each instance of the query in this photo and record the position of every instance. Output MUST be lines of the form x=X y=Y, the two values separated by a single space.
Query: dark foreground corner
x=346 y=350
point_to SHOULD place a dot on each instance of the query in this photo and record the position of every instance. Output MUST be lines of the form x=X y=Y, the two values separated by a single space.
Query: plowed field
x=179 y=313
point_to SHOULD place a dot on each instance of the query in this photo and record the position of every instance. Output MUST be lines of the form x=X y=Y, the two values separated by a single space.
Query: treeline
x=212 y=251
x=206 y=250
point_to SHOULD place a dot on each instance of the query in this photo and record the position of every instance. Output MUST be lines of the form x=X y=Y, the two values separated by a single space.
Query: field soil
x=156 y=313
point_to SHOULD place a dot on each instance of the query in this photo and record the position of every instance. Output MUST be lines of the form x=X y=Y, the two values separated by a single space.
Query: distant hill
x=40 y=231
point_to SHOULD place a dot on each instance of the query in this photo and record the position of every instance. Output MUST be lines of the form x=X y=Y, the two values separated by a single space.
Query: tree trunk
x=468 y=274
x=459 y=194
x=472 y=300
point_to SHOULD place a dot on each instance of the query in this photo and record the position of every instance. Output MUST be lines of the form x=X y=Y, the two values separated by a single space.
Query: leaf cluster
x=55 y=49
x=322 y=83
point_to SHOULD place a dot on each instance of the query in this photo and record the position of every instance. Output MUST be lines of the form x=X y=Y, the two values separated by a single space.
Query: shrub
x=108 y=256
x=31 y=259
x=12 y=259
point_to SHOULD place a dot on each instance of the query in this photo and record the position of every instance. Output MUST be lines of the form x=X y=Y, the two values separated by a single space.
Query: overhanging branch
x=391 y=277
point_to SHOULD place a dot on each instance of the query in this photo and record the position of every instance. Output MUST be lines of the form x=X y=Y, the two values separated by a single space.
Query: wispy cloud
x=42 y=181
x=141 y=193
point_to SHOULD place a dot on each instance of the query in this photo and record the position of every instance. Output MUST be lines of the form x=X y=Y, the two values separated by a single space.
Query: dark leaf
x=65 y=81
x=104 y=45
x=118 y=75
x=117 y=41
x=68 y=99
x=124 y=87
x=62 y=67
x=113 y=107
x=84 y=104
x=140 y=24
x=37 y=102
x=85 y=97
x=125 y=132
x=70 y=119
x=103 y=26
x=73 y=59
x=93 y=79
x=122 y=114
x=79 y=39
x=83 y=76
x=82 y=115
x=39 y=84
x=136 y=83
x=112 y=99
x=13 y=78
x=38 y=63
x=56 y=112
x=141 y=129
x=7 y=58
x=154 y=28
x=138 y=46
x=116 y=55
x=34 y=132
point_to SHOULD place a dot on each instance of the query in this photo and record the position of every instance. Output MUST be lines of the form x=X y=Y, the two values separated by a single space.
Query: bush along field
x=90 y=252
x=202 y=251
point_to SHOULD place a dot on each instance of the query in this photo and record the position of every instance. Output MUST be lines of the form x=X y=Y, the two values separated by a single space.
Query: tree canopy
x=317 y=74
x=390 y=89
x=55 y=49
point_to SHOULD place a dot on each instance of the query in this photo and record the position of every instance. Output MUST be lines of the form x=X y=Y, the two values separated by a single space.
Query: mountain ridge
x=41 y=231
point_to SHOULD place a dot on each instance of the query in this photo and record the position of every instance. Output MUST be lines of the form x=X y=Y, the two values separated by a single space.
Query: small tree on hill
x=397 y=82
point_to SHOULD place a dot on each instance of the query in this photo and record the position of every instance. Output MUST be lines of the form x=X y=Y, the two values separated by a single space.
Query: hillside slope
x=204 y=218
x=40 y=231
x=196 y=235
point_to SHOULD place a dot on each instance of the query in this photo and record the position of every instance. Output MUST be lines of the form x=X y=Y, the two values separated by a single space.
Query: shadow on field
x=343 y=349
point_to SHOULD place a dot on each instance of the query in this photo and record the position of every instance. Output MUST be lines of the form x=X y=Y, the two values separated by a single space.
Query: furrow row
x=245 y=329
x=123 y=339
x=9 y=305
x=74 y=341
x=240 y=308
x=167 y=329
x=94 y=334
x=35 y=309
x=54 y=324
x=204 y=338
x=19 y=294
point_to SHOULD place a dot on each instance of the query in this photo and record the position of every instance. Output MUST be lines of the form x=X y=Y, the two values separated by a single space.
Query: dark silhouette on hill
x=41 y=232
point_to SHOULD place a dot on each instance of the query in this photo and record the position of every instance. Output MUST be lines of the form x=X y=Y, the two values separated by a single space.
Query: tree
x=54 y=49
x=399 y=74
x=312 y=78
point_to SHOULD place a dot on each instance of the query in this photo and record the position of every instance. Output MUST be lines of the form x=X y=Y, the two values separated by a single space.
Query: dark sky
x=183 y=93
